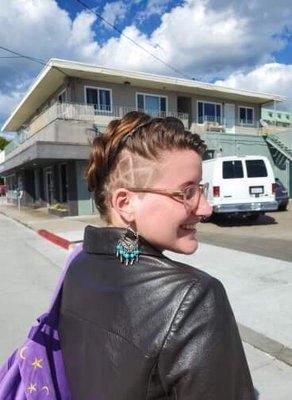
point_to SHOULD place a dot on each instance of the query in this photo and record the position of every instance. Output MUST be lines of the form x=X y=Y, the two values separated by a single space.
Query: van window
x=256 y=168
x=232 y=169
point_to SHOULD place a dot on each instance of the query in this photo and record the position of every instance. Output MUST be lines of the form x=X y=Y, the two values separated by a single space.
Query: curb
x=266 y=344
x=58 y=240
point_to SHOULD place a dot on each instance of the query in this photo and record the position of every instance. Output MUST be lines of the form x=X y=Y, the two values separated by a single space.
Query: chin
x=188 y=248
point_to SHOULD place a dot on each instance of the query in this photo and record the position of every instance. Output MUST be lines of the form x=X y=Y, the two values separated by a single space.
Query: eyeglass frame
x=174 y=193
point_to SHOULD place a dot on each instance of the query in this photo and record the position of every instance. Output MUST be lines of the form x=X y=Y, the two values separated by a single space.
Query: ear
x=122 y=203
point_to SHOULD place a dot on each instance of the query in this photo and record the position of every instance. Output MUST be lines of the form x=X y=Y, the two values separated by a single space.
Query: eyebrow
x=193 y=182
x=187 y=184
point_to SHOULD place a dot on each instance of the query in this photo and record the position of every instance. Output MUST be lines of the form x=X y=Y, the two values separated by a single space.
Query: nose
x=204 y=208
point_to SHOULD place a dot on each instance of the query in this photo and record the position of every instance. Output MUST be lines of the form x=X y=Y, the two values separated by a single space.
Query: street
x=30 y=267
x=269 y=236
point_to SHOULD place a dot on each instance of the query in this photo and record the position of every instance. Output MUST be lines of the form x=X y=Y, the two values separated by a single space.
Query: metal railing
x=81 y=112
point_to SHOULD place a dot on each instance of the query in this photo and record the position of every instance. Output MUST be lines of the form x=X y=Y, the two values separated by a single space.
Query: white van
x=240 y=185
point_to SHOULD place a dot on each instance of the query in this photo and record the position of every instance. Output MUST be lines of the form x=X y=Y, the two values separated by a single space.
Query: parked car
x=2 y=190
x=282 y=197
x=243 y=186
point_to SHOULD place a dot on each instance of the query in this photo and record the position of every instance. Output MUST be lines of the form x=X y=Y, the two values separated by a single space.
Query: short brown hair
x=137 y=135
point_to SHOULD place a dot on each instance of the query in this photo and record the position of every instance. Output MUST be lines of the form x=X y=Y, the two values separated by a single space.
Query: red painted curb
x=54 y=238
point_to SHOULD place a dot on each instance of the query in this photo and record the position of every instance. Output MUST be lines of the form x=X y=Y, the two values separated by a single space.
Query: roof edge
x=67 y=64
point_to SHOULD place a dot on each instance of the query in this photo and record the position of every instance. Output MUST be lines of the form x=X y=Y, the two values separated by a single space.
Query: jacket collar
x=103 y=241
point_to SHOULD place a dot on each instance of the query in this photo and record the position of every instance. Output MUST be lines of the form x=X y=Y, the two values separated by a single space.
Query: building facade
x=276 y=118
x=71 y=102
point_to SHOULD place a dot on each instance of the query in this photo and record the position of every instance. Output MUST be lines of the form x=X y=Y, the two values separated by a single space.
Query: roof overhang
x=54 y=74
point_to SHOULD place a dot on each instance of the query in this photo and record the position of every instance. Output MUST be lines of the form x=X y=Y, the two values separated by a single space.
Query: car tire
x=282 y=207
x=254 y=216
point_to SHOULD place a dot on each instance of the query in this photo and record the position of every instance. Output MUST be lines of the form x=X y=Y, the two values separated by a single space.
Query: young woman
x=135 y=324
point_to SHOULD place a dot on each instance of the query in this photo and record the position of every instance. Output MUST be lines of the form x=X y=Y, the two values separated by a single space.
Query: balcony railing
x=82 y=112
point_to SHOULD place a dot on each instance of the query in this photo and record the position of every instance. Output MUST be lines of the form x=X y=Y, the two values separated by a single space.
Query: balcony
x=42 y=129
x=86 y=113
x=211 y=124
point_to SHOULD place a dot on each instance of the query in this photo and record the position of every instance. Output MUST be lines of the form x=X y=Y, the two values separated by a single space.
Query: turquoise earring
x=127 y=247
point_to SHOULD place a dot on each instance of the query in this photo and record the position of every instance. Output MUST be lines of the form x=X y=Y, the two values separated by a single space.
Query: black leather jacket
x=156 y=330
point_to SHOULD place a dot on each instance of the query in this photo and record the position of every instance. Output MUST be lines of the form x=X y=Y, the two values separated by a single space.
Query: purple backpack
x=36 y=369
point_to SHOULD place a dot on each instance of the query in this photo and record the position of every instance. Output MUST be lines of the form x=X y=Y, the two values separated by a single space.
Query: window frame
x=99 y=88
x=246 y=108
x=153 y=95
x=209 y=102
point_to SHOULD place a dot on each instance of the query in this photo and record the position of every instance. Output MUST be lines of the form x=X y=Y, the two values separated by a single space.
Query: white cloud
x=269 y=78
x=41 y=29
x=114 y=12
x=203 y=38
x=153 y=7
x=8 y=101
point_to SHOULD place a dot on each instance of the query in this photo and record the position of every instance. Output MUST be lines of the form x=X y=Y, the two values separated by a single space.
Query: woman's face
x=159 y=218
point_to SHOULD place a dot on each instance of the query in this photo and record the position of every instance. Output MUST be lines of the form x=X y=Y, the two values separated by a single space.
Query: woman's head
x=139 y=152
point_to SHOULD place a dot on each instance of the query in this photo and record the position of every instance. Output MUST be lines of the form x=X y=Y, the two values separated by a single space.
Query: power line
x=37 y=60
x=10 y=57
x=133 y=41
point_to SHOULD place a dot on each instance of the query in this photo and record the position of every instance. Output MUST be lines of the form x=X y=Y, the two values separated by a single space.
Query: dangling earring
x=127 y=247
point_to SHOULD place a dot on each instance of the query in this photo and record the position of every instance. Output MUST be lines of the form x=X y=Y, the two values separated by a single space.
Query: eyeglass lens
x=193 y=193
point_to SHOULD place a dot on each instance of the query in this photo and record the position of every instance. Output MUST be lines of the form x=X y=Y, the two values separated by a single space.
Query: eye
x=190 y=192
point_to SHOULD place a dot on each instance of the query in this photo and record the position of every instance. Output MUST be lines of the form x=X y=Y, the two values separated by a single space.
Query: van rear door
x=233 y=186
x=259 y=181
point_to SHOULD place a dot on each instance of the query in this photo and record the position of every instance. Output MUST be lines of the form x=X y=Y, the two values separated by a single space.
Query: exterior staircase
x=281 y=147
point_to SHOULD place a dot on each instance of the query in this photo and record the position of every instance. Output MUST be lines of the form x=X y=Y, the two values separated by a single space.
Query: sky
x=235 y=43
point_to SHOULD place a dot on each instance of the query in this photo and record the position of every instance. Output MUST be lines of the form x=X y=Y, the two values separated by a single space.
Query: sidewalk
x=259 y=288
x=64 y=232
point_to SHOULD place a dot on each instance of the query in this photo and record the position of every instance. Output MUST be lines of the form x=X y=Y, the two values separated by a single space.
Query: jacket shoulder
x=192 y=273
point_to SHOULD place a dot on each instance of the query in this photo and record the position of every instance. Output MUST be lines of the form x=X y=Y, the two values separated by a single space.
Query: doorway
x=49 y=185
x=184 y=105
x=63 y=179
x=229 y=118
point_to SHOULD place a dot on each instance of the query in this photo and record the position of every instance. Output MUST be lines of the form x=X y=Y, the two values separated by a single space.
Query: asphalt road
x=270 y=236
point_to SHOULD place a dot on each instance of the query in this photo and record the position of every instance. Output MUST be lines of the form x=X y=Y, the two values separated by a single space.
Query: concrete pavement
x=259 y=288
x=29 y=275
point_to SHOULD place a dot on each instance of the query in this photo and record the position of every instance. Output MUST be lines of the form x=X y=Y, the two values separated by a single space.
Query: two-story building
x=277 y=118
x=70 y=102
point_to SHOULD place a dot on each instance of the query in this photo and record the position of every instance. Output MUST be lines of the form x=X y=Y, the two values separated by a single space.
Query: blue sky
x=240 y=44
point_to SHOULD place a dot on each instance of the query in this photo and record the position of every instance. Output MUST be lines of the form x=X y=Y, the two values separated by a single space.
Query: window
x=152 y=104
x=62 y=97
x=287 y=116
x=232 y=169
x=100 y=98
x=209 y=112
x=270 y=114
x=256 y=168
x=246 y=115
x=279 y=115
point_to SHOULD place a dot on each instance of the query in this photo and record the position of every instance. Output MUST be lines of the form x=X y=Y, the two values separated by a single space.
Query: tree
x=3 y=142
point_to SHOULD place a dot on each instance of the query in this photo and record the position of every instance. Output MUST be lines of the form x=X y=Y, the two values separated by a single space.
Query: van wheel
x=283 y=208
x=254 y=216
